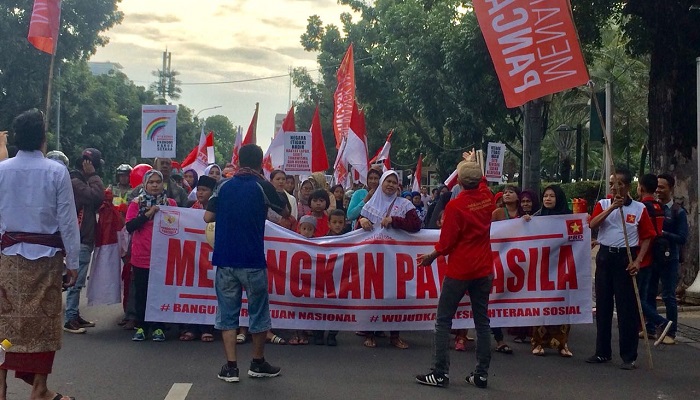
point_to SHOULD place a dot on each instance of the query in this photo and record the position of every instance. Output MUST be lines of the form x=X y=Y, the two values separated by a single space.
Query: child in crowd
x=319 y=202
x=307 y=227
x=417 y=201
x=336 y=223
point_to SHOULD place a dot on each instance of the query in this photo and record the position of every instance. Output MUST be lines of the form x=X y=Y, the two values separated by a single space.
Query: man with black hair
x=172 y=189
x=675 y=229
x=239 y=208
x=614 y=273
x=38 y=225
x=657 y=327
x=89 y=193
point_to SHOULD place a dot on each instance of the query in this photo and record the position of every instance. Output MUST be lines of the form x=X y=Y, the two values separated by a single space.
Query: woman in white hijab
x=389 y=210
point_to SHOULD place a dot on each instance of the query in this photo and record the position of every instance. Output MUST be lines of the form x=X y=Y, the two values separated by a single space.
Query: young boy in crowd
x=336 y=223
x=306 y=228
x=319 y=202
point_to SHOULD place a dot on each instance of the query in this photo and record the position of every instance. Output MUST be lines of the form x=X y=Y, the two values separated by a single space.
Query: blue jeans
x=229 y=294
x=452 y=292
x=651 y=317
x=668 y=274
x=73 y=294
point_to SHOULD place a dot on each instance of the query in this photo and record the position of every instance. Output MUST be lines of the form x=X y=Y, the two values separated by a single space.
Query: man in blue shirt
x=240 y=209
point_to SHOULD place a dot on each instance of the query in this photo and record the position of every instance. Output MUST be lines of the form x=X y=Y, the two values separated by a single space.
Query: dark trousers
x=140 y=295
x=668 y=274
x=452 y=292
x=614 y=289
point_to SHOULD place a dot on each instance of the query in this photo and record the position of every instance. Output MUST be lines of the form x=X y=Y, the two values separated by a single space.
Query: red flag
x=451 y=180
x=236 y=146
x=251 y=135
x=534 y=47
x=192 y=156
x=417 y=174
x=383 y=154
x=44 y=25
x=344 y=97
x=319 y=158
x=274 y=156
x=353 y=151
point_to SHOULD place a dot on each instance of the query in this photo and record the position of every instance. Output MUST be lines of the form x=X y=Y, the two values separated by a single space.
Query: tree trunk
x=533 y=127
x=672 y=112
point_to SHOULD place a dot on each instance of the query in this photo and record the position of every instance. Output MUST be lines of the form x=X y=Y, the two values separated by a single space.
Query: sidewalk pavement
x=689 y=325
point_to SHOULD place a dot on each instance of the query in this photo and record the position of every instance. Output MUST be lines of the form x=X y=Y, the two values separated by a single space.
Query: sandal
x=399 y=343
x=293 y=341
x=504 y=348
x=460 y=344
x=207 y=337
x=538 y=351
x=276 y=340
x=186 y=336
x=370 y=342
x=59 y=396
x=520 y=339
x=565 y=352
x=241 y=338
x=303 y=339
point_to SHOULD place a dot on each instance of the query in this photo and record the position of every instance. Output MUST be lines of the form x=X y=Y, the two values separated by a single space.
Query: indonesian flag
x=202 y=155
x=344 y=97
x=451 y=180
x=383 y=154
x=353 y=152
x=274 y=156
x=105 y=284
x=236 y=147
x=251 y=135
x=417 y=174
x=319 y=158
x=44 y=25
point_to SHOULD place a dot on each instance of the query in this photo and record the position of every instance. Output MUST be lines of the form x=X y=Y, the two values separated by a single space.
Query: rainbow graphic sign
x=158 y=130
x=155 y=127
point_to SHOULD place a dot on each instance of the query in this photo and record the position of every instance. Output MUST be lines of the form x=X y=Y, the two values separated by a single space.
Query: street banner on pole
x=534 y=47
x=370 y=280
x=297 y=153
x=158 y=131
x=494 y=162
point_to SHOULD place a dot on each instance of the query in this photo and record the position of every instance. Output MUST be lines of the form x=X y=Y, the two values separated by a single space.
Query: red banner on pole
x=44 y=25
x=344 y=97
x=534 y=47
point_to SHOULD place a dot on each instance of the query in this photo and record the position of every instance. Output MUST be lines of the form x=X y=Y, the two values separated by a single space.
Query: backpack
x=660 y=246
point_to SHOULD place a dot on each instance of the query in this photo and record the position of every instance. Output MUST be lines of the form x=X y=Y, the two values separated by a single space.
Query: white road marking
x=179 y=391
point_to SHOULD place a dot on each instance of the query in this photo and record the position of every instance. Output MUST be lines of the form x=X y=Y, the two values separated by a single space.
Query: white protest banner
x=494 y=162
x=158 y=131
x=370 y=280
x=297 y=153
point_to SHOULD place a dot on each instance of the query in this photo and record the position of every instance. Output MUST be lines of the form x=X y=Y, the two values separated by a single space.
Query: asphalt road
x=105 y=364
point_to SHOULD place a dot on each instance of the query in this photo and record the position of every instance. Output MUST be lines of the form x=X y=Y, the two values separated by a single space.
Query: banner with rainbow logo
x=158 y=131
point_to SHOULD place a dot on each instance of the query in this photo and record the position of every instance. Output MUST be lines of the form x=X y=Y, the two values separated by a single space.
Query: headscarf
x=145 y=200
x=561 y=207
x=209 y=167
x=404 y=194
x=533 y=197
x=379 y=205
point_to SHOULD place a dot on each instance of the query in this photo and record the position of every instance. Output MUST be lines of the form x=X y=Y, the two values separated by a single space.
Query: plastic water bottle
x=4 y=346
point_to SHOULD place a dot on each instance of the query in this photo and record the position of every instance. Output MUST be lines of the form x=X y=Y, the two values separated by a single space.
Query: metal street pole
x=692 y=294
x=205 y=109
x=577 y=169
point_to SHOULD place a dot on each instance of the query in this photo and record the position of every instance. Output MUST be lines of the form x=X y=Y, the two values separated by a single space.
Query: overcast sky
x=220 y=40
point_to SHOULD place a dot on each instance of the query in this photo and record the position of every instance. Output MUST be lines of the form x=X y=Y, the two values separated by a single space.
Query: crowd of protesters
x=313 y=208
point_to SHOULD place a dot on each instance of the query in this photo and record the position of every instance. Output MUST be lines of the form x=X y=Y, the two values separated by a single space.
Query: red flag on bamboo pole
x=383 y=154
x=319 y=158
x=251 y=135
x=417 y=174
x=534 y=47
x=344 y=97
x=44 y=25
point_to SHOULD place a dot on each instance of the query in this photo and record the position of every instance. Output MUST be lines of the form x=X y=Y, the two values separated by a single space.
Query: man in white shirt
x=37 y=221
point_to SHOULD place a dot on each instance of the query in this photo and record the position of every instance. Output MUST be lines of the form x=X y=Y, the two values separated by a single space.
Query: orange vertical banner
x=534 y=47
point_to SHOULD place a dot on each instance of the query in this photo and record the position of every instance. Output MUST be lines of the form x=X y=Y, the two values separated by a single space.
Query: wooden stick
x=48 y=93
x=624 y=231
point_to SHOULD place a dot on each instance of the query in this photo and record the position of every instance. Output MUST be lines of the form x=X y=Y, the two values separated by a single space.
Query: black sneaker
x=597 y=359
x=84 y=323
x=628 y=365
x=477 y=380
x=228 y=374
x=433 y=379
x=73 y=326
x=263 y=370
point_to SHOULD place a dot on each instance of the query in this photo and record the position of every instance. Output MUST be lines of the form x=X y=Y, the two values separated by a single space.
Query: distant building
x=104 y=68
x=278 y=123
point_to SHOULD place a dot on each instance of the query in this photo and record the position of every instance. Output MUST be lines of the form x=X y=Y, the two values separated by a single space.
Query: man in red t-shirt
x=614 y=272
x=466 y=238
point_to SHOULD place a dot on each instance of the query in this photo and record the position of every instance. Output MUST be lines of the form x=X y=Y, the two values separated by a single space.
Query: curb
x=681 y=309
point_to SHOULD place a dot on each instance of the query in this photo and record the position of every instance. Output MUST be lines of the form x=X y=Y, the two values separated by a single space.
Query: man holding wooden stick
x=614 y=272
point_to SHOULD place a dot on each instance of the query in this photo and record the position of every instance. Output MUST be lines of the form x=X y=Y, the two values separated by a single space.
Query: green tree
x=224 y=137
x=24 y=70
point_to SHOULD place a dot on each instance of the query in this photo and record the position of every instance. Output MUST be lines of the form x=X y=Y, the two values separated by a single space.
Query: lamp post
x=205 y=109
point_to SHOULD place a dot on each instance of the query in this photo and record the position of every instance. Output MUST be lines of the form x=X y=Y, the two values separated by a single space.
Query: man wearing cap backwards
x=466 y=238
x=38 y=225
x=89 y=192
